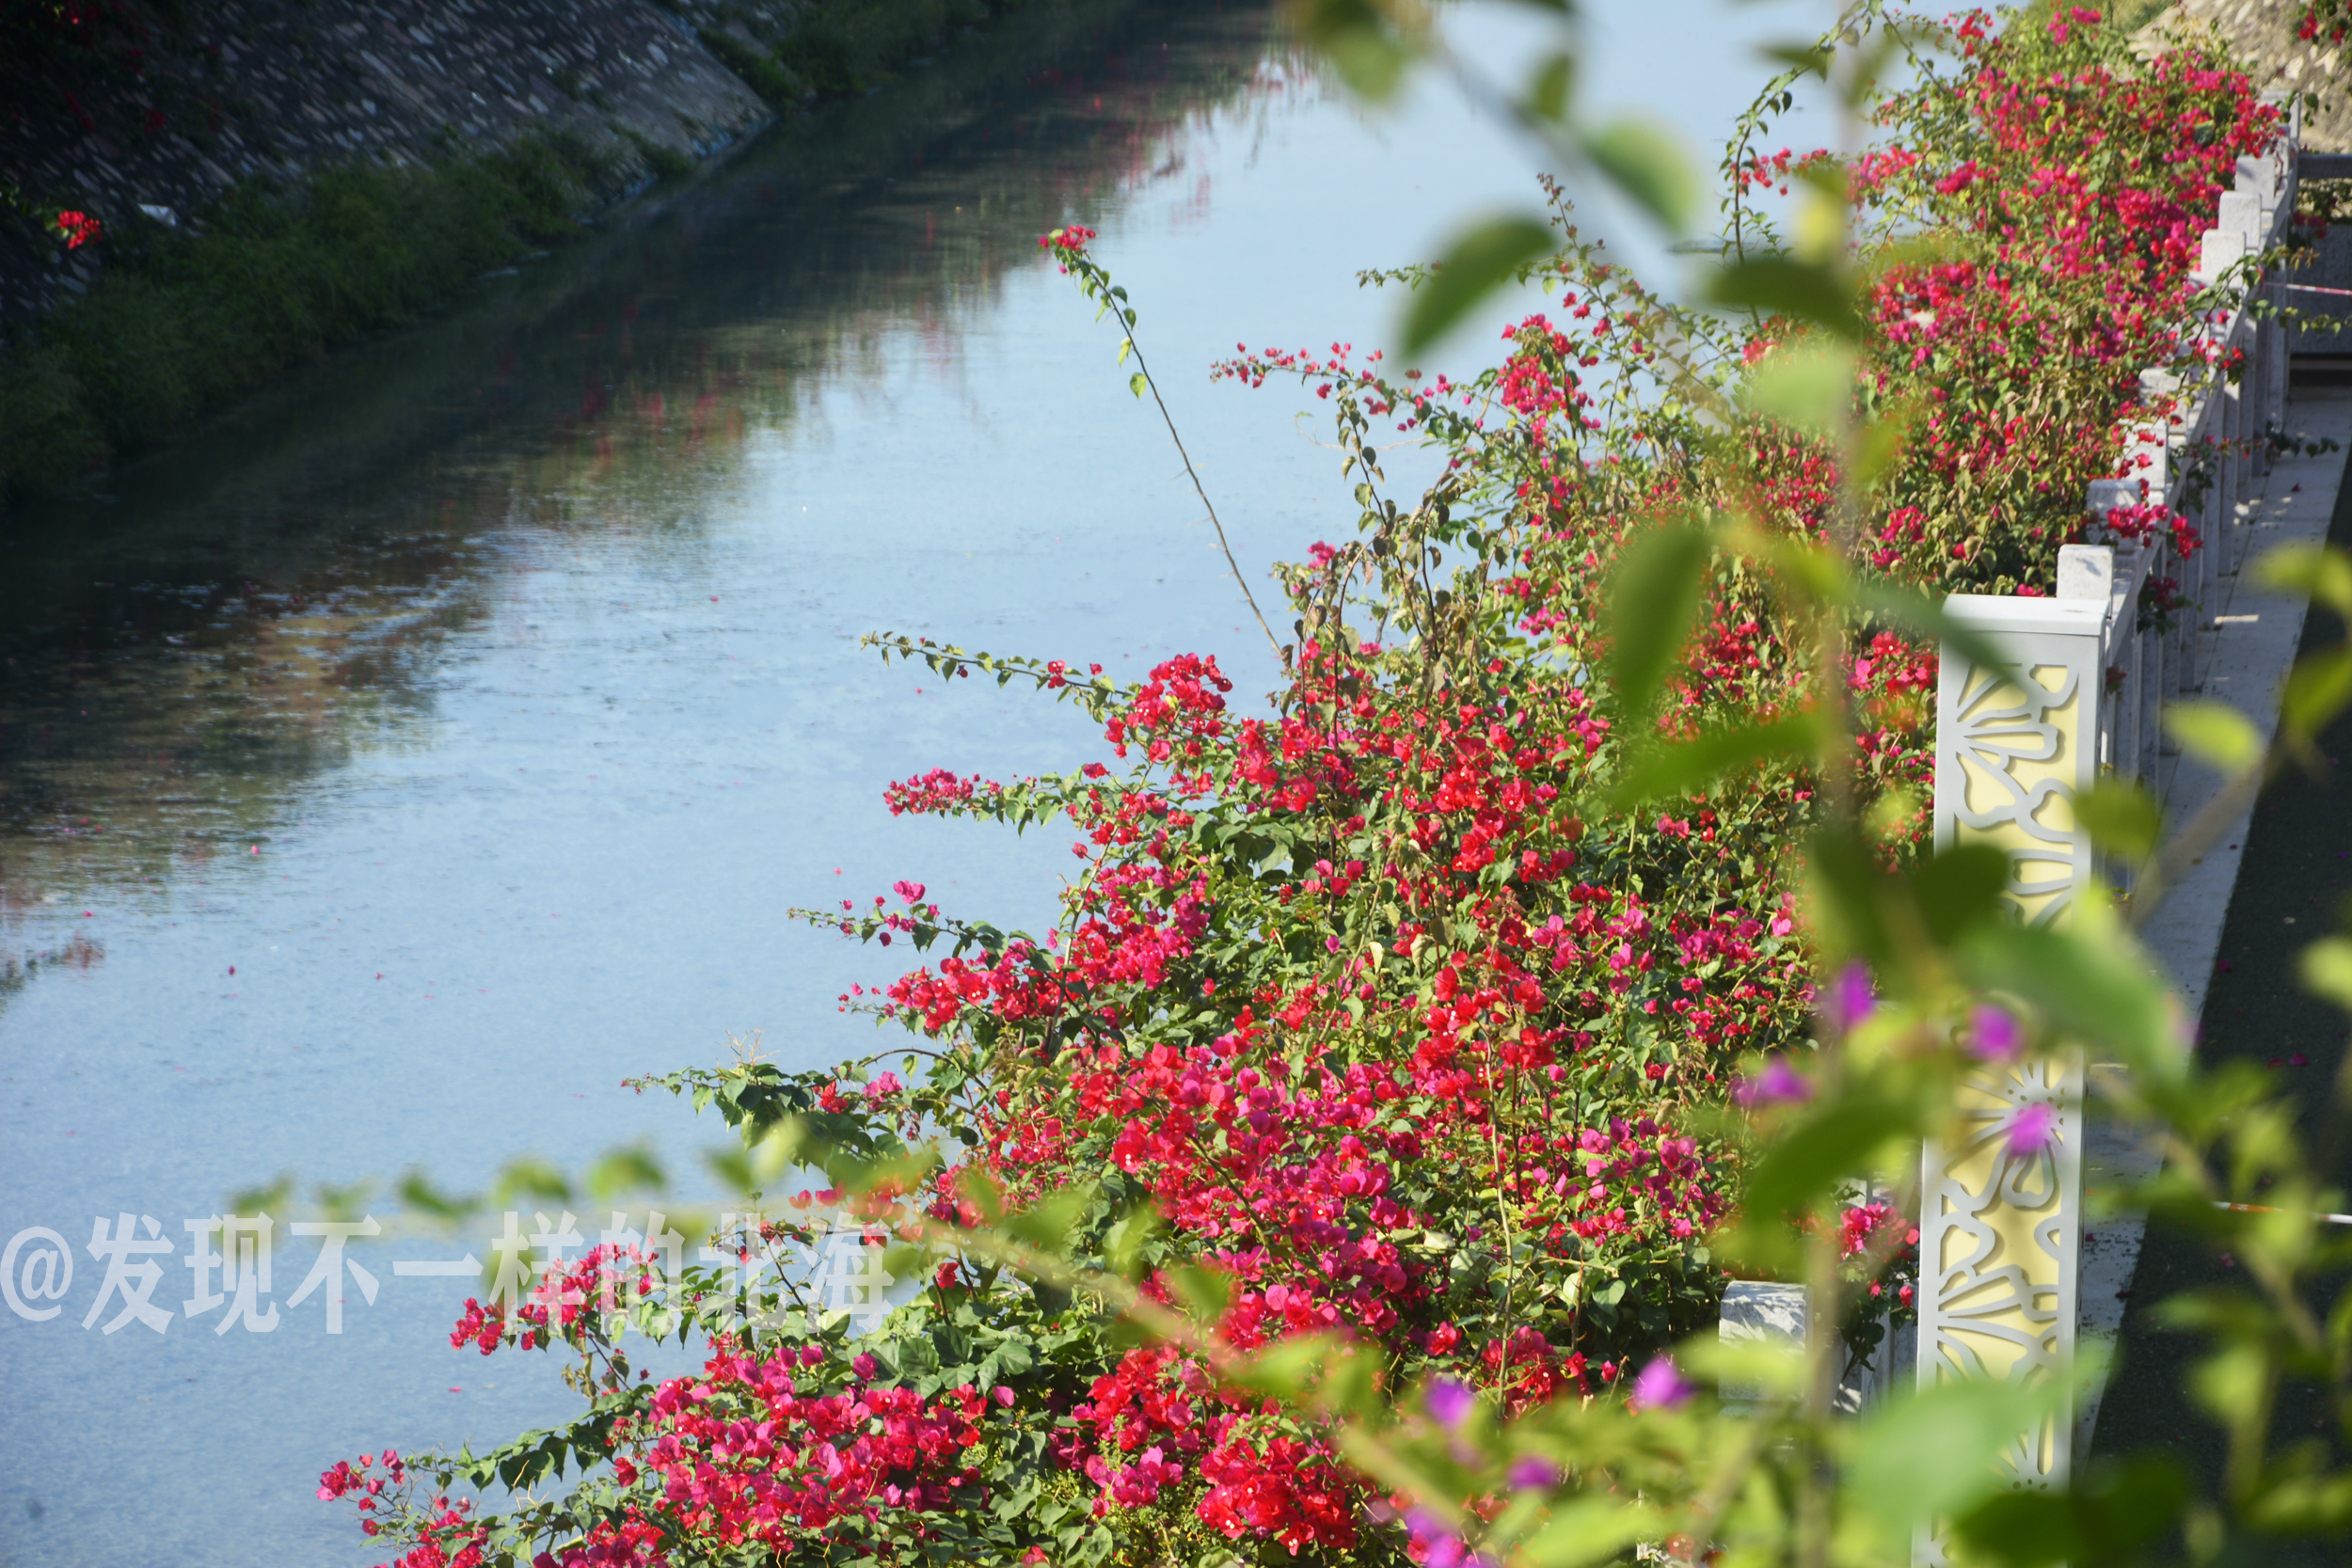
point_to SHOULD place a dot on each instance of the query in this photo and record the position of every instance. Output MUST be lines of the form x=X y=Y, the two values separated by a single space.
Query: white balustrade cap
x=2240 y=214
x=2013 y=612
x=2085 y=572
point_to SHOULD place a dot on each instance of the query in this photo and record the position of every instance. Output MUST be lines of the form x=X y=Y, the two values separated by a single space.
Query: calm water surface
x=396 y=764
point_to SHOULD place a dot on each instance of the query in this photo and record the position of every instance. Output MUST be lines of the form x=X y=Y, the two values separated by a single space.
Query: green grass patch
x=181 y=320
x=845 y=46
x=762 y=73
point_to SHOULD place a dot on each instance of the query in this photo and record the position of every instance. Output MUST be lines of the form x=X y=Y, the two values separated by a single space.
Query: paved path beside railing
x=2249 y=639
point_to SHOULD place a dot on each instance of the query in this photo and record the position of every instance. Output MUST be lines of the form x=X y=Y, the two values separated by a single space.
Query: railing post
x=2001 y=1221
x=2219 y=250
x=2000 y=1228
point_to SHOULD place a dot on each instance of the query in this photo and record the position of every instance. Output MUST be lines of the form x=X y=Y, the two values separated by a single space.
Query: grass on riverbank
x=830 y=47
x=182 y=321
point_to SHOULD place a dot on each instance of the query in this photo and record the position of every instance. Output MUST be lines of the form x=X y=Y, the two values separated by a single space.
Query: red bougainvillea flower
x=78 y=230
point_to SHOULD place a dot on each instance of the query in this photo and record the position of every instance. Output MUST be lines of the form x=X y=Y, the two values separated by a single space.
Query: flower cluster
x=78 y=229
x=383 y=1488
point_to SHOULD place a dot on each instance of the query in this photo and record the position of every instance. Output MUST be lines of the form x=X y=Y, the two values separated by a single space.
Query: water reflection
x=275 y=596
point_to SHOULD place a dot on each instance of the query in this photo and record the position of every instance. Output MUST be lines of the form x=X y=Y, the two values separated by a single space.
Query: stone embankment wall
x=2262 y=33
x=112 y=107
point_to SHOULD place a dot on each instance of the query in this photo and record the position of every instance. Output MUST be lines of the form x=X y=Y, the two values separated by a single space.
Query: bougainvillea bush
x=1407 y=1010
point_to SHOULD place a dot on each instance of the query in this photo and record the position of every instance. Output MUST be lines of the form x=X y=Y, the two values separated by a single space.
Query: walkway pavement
x=2231 y=936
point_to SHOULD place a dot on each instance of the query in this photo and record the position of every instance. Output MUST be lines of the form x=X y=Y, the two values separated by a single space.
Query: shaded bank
x=250 y=608
x=390 y=163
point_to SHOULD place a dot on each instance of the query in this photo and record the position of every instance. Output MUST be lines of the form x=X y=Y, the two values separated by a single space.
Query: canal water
x=395 y=765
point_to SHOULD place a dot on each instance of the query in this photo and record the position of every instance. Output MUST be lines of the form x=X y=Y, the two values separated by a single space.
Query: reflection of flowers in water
x=80 y=953
x=609 y=420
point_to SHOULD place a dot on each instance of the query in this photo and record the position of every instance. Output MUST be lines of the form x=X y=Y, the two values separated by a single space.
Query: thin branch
x=1223 y=543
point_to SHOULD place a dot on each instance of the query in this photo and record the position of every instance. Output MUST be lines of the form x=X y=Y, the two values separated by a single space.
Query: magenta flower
x=1450 y=1401
x=1440 y=1547
x=1659 y=1388
x=1850 y=998
x=1533 y=1473
x=1995 y=1033
x=1776 y=1084
x=2032 y=1130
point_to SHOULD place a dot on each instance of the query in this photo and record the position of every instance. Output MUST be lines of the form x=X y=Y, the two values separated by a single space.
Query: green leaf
x=1645 y=159
x=1136 y=383
x=417 y=1192
x=1808 y=386
x=1653 y=599
x=1960 y=889
x=1126 y=1245
x=1924 y=618
x=732 y=1166
x=2027 y=1528
x=2090 y=980
x=626 y=1170
x=2107 y=1513
x=1679 y=769
x=1288 y=1367
x=1823 y=1150
x=1549 y=89
x=2317 y=691
x=1589 y=1530
x=1052 y=1223
x=2216 y=734
x=2327 y=970
x=2323 y=574
x=1205 y=1292
x=2120 y=816
x=1882 y=443
x=1850 y=897
x=1783 y=285
x=1939 y=1454
x=527 y=1177
x=1357 y=40
x=1813 y=57
x=274 y=1198
x=1480 y=261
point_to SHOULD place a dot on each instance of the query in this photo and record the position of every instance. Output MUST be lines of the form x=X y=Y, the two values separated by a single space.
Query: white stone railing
x=2001 y=1233
x=2081 y=699
x=2203 y=462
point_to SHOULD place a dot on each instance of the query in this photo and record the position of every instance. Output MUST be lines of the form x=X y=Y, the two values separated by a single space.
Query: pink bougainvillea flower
x=1660 y=1387
x=78 y=230
x=1850 y=998
x=1533 y=1473
x=1995 y=1033
x=1778 y=1084
x=1450 y=1401
x=2032 y=1130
